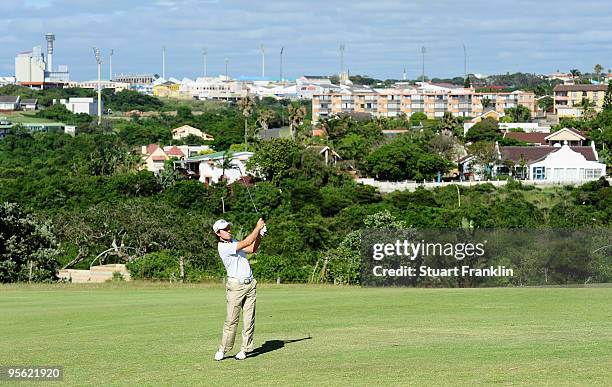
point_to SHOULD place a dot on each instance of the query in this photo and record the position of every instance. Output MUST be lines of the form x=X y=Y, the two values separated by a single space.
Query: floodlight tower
x=99 y=62
x=281 y=63
x=110 y=62
x=263 y=61
x=423 y=50
x=164 y=62
x=205 y=54
x=226 y=61
x=341 y=61
x=464 y=61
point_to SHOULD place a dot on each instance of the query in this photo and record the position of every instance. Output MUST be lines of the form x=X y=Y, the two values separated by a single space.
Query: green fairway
x=160 y=334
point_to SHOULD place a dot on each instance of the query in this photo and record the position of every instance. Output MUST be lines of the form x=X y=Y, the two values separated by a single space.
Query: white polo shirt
x=236 y=264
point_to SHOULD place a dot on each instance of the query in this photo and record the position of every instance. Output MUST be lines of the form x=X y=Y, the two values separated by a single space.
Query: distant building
x=169 y=89
x=33 y=70
x=186 y=131
x=142 y=79
x=82 y=105
x=569 y=136
x=210 y=88
x=505 y=126
x=208 y=168
x=7 y=81
x=155 y=156
x=568 y=98
x=113 y=85
x=29 y=104
x=432 y=99
x=9 y=103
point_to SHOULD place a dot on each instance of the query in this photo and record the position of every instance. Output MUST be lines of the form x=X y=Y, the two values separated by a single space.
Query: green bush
x=159 y=265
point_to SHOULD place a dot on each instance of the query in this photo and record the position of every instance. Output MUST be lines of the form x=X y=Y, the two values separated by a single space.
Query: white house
x=567 y=165
x=9 y=102
x=29 y=104
x=558 y=163
x=82 y=105
x=209 y=167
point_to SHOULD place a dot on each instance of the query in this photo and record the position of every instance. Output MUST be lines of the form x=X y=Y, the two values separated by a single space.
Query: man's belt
x=241 y=281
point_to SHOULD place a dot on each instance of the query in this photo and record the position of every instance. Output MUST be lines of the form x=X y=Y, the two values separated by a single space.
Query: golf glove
x=263 y=231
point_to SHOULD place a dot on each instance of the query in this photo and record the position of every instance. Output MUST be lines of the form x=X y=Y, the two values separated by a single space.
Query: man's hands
x=260 y=224
x=261 y=227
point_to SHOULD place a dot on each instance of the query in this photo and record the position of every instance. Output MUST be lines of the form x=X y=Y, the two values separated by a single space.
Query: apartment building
x=568 y=98
x=433 y=100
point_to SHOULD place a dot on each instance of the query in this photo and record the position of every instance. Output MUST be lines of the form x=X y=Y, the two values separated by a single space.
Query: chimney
x=50 y=38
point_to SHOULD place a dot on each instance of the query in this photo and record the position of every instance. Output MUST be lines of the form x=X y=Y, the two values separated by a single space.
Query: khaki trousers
x=239 y=296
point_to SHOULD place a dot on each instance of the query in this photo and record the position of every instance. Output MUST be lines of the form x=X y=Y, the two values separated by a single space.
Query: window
x=592 y=173
x=539 y=173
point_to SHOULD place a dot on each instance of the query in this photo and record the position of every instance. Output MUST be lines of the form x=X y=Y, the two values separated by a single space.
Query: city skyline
x=380 y=39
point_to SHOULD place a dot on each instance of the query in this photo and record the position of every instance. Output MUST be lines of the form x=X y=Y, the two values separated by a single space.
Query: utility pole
x=99 y=62
x=263 y=61
x=226 y=78
x=205 y=53
x=281 y=64
x=423 y=50
x=110 y=78
x=464 y=61
x=341 y=61
x=164 y=62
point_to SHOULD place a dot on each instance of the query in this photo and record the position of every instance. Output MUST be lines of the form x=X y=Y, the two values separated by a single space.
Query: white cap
x=220 y=225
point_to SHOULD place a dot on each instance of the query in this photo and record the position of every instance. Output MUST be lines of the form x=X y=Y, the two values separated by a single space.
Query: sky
x=381 y=37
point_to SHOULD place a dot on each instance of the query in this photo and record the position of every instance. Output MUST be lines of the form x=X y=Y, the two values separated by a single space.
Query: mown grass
x=25 y=118
x=160 y=334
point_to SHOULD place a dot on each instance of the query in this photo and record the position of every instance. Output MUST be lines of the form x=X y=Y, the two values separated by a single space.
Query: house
x=556 y=163
x=81 y=105
x=29 y=104
x=186 y=130
x=9 y=102
x=169 y=89
x=568 y=98
x=532 y=138
x=174 y=151
x=154 y=157
x=559 y=163
x=571 y=136
x=330 y=156
x=209 y=168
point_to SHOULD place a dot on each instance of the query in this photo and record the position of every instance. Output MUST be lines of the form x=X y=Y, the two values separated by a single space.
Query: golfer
x=241 y=286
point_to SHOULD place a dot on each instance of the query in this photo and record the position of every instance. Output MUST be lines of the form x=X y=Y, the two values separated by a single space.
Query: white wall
x=213 y=172
x=567 y=165
x=82 y=105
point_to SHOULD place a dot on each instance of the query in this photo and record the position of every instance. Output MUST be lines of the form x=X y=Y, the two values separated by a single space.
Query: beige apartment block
x=568 y=98
x=434 y=103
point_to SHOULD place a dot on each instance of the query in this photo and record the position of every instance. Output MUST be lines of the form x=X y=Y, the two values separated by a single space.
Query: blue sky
x=381 y=37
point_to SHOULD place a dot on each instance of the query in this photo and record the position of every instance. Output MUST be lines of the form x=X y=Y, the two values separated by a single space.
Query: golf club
x=243 y=173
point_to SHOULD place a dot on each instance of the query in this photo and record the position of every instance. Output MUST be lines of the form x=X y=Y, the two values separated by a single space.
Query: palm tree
x=225 y=163
x=575 y=73
x=449 y=123
x=296 y=116
x=246 y=104
x=486 y=102
x=598 y=69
